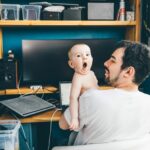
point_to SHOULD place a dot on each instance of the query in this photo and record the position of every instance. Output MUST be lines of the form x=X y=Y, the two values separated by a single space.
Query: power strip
x=36 y=87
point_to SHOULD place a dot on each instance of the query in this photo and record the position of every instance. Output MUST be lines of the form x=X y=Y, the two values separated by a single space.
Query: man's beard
x=107 y=81
x=112 y=81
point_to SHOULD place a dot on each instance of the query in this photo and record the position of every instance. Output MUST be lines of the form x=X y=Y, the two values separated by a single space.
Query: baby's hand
x=74 y=125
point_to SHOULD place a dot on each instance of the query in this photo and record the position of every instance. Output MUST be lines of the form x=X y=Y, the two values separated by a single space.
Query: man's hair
x=136 y=55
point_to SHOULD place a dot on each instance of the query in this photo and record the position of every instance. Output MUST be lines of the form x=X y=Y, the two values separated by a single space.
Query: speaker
x=8 y=74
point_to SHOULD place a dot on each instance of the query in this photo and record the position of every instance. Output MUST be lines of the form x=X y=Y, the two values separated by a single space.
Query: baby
x=80 y=60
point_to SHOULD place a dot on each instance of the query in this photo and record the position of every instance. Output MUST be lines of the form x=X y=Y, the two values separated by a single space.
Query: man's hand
x=74 y=125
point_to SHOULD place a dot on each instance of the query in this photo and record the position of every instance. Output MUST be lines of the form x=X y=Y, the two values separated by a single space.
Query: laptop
x=65 y=88
x=27 y=105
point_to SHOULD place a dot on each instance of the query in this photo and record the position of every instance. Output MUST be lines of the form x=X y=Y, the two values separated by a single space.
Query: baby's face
x=81 y=59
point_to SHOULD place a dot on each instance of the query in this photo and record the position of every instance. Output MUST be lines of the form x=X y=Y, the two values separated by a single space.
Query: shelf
x=65 y=23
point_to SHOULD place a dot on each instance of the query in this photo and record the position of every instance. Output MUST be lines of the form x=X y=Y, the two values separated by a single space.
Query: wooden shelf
x=65 y=23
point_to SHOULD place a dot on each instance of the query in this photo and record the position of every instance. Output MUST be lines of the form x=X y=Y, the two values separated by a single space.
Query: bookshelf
x=131 y=28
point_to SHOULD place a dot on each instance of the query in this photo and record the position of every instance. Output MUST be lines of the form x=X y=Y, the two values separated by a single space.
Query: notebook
x=65 y=88
x=27 y=105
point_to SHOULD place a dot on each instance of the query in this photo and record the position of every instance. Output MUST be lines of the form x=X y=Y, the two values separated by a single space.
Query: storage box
x=100 y=11
x=9 y=11
x=31 y=12
x=74 y=13
x=9 y=139
x=53 y=13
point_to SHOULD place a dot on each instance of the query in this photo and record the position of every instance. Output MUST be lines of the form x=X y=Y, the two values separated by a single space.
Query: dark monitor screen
x=45 y=62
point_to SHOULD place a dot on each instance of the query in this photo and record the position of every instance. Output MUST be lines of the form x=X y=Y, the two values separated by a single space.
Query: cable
x=19 y=91
x=50 y=90
x=51 y=120
x=25 y=138
x=23 y=132
x=42 y=93
x=33 y=92
x=18 y=87
x=53 y=101
x=4 y=110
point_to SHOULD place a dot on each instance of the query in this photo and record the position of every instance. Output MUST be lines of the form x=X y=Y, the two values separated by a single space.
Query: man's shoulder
x=97 y=92
x=94 y=98
x=144 y=94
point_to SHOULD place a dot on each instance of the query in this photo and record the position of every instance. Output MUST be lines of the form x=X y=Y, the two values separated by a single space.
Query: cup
x=130 y=15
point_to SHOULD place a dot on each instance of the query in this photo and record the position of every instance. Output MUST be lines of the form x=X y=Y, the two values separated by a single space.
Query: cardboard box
x=100 y=11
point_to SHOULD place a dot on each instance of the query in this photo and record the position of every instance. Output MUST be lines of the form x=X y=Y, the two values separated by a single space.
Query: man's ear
x=70 y=64
x=129 y=72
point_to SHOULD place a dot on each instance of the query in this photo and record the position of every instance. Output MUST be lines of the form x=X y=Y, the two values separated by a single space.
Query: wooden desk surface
x=2 y=92
x=46 y=116
x=41 y=117
x=25 y=90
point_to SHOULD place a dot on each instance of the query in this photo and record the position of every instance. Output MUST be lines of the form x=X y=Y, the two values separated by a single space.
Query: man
x=121 y=113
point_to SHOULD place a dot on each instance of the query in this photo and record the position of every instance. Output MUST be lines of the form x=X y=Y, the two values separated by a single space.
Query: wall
x=13 y=36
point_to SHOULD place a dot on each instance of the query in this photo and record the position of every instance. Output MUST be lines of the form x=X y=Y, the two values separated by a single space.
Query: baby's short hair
x=74 y=46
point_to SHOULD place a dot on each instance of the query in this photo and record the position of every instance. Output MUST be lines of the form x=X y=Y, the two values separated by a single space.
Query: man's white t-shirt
x=112 y=115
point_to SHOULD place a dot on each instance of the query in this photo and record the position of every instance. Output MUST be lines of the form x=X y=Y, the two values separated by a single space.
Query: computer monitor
x=45 y=62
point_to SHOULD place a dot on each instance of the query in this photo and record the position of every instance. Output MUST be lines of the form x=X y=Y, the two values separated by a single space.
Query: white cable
x=51 y=120
x=19 y=90
x=42 y=93
x=25 y=138
x=32 y=92
x=27 y=94
x=18 y=87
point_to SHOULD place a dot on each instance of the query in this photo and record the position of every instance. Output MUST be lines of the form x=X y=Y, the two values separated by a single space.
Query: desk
x=26 y=90
x=40 y=117
x=46 y=90
x=37 y=126
x=2 y=92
